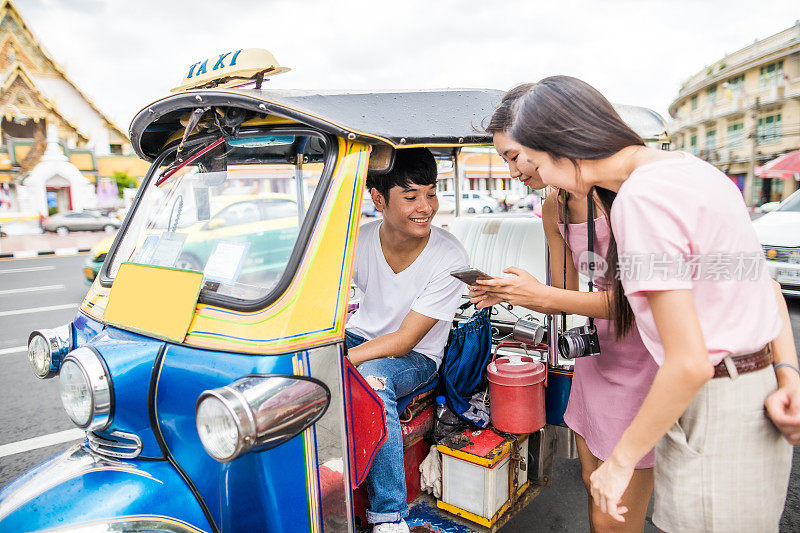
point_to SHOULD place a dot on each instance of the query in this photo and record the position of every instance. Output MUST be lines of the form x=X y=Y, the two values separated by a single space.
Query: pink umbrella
x=784 y=167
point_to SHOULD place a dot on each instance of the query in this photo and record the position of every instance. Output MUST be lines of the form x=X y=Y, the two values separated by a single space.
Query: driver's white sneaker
x=391 y=527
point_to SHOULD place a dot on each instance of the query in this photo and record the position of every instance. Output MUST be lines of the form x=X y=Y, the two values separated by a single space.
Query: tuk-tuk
x=206 y=363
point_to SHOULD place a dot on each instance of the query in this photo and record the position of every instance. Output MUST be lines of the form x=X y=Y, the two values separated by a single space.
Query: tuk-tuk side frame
x=318 y=317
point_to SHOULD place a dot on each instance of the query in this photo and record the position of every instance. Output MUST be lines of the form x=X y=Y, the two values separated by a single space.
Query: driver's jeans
x=392 y=378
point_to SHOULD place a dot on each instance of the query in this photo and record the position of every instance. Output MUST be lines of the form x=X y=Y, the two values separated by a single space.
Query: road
x=34 y=293
x=45 y=292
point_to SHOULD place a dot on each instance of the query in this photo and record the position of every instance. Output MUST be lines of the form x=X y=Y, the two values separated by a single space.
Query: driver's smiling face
x=410 y=210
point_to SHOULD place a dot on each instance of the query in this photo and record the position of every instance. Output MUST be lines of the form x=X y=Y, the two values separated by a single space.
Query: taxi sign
x=229 y=69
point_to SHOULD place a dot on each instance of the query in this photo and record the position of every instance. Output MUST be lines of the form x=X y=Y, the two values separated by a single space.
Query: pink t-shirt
x=682 y=224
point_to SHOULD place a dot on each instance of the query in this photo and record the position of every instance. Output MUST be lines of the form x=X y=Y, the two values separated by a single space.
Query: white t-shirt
x=425 y=286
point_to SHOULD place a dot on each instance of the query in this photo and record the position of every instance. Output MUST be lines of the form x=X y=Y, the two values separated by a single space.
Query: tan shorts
x=723 y=466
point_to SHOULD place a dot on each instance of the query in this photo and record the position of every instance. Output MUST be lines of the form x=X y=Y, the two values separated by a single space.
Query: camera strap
x=590 y=220
x=566 y=238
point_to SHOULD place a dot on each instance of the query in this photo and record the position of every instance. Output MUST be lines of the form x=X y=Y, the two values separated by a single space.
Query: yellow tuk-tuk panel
x=323 y=278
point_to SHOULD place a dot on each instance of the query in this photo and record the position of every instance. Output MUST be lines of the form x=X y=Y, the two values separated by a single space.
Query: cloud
x=126 y=54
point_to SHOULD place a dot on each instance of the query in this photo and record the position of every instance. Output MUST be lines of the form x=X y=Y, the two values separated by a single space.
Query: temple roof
x=20 y=51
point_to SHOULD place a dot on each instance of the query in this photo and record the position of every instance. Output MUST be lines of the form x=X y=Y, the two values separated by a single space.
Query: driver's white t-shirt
x=425 y=286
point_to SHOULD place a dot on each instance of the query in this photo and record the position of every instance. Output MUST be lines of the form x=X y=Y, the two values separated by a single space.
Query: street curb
x=27 y=254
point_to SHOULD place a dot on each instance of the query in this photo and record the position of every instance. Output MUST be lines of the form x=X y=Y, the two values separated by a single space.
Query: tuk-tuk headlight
x=85 y=388
x=46 y=348
x=217 y=428
x=258 y=412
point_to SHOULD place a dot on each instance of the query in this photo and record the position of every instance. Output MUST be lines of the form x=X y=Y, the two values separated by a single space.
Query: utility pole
x=751 y=166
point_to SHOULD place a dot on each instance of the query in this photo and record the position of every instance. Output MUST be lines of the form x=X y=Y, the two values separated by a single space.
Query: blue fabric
x=386 y=480
x=463 y=367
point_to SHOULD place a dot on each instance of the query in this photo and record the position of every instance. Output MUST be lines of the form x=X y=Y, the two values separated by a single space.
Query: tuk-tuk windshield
x=231 y=209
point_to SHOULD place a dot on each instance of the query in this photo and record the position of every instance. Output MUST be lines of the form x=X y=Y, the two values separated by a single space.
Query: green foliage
x=124 y=181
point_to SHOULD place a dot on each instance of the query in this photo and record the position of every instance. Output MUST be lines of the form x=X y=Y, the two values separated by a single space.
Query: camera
x=579 y=342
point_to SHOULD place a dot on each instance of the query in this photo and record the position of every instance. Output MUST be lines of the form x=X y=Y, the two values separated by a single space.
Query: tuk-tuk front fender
x=80 y=488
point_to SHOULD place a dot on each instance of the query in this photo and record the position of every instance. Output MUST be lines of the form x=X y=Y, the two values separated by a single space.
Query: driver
x=398 y=334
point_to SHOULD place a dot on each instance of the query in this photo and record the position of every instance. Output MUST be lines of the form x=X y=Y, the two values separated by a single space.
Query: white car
x=473 y=201
x=779 y=234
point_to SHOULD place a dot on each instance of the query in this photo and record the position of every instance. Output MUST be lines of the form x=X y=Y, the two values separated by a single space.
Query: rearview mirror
x=381 y=159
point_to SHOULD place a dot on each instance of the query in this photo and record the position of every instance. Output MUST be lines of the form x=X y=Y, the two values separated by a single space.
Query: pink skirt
x=608 y=390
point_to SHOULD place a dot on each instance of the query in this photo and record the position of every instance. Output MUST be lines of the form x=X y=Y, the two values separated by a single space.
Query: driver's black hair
x=411 y=165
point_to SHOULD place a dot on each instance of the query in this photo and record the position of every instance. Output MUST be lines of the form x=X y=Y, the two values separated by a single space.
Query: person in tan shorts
x=690 y=274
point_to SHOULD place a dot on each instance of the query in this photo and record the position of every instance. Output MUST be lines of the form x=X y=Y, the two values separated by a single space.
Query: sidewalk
x=25 y=239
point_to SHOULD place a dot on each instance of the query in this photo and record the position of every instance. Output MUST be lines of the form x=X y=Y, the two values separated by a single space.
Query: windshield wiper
x=177 y=165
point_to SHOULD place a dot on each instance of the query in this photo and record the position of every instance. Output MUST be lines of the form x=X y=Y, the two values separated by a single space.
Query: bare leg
x=636 y=497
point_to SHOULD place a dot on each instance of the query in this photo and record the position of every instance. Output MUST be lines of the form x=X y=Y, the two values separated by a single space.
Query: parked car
x=779 y=234
x=63 y=223
x=532 y=202
x=368 y=207
x=473 y=201
x=446 y=205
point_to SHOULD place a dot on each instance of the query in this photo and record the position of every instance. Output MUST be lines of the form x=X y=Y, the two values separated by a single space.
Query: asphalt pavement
x=45 y=292
x=34 y=293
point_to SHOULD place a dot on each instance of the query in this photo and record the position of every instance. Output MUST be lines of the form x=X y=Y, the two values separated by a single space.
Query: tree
x=124 y=181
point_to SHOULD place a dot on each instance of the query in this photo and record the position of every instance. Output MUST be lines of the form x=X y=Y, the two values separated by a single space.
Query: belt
x=744 y=363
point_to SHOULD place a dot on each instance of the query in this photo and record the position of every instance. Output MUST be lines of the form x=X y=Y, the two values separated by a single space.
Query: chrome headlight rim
x=101 y=389
x=243 y=418
x=59 y=342
x=244 y=399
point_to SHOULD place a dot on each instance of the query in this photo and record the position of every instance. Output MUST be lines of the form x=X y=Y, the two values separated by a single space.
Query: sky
x=126 y=54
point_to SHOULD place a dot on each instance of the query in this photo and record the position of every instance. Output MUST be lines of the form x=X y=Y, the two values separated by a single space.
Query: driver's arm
x=413 y=328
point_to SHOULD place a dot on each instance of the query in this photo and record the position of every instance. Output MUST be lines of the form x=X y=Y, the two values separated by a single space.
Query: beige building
x=743 y=111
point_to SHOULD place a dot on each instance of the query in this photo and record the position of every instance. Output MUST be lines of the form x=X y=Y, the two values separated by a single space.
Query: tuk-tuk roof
x=647 y=123
x=401 y=119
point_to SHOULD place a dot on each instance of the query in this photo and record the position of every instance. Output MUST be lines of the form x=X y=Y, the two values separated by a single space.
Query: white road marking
x=41 y=442
x=38 y=309
x=33 y=289
x=29 y=269
x=15 y=349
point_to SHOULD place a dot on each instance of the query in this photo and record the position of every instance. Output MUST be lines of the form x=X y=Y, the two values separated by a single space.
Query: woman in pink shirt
x=608 y=389
x=687 y=271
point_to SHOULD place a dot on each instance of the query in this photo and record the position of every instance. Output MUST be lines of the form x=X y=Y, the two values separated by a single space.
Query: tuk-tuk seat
x=498 y=242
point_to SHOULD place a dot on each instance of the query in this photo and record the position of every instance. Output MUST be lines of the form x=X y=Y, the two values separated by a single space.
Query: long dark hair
x=568 y=118
x=503 y=116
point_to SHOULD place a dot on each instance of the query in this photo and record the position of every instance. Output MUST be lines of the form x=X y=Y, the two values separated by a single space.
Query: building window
x=693 y=144
x=711 y=95
x=694 y=102
x=735 y=134
x=769 y=128
x=736 y=85
x=770 y=74
x=683 y=143
x=711 y=140
x=115 y=149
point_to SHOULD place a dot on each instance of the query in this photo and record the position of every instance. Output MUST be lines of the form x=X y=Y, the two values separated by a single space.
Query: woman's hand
x=783 y=408
x=522 y=289
x=481 y=298
x=608 y=484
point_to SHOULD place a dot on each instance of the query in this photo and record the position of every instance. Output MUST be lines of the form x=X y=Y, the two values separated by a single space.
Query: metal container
x=528 y=332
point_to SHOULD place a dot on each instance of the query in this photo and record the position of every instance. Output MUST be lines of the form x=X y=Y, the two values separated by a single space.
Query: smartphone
x=470 y=275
